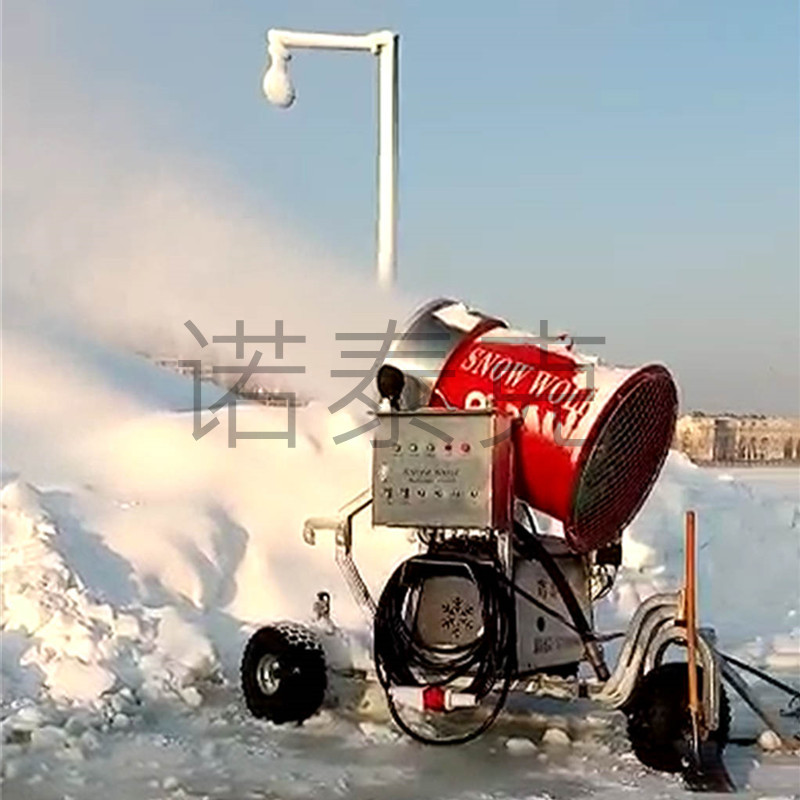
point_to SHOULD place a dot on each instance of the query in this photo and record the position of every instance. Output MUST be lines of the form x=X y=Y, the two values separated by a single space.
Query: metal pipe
x=342 y=526
x=329 y=41
x=387 y=160
x=384 y=45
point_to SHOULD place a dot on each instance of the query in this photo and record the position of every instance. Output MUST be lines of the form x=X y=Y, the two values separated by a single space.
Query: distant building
x=735 y=439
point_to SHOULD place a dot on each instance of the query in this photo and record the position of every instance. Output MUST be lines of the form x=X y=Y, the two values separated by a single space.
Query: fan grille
x=624 y=459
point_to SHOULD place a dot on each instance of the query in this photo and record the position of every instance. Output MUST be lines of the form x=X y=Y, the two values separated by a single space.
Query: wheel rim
x=268 y=674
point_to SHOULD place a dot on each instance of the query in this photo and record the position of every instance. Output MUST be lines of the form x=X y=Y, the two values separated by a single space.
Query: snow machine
x=481 y=433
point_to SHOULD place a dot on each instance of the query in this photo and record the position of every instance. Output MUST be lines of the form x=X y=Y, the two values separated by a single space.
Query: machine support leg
x=690 y=607
x=705 y=770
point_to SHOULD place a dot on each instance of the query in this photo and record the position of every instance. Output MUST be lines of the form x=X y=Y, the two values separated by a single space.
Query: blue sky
x=627 y=169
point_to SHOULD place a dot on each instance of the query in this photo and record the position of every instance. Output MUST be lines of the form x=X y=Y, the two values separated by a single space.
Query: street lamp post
x=279 y=90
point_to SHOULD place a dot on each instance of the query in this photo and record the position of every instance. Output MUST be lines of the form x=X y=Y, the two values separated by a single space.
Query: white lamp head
x=277 y=83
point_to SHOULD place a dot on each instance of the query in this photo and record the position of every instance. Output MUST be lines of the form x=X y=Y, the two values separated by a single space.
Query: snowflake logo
x=457 y=616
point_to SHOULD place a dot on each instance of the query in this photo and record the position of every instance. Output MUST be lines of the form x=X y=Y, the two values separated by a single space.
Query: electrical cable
x=543 y=607
x=606 y=575
x=401 y=659
x=532 y=548
x=763 y=675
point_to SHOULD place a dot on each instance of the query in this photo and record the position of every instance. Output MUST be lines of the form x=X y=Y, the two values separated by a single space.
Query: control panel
x=442 y=468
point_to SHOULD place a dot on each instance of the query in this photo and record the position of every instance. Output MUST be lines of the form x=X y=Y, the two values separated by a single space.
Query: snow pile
x=69 y=642
x=136 y=557
x=748 y=555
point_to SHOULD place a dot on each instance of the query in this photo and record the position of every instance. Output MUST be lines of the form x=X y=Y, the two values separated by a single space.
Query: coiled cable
x=403 y=659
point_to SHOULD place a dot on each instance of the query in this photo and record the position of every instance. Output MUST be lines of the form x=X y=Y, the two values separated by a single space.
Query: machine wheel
x=283 y=673
x=659 y=725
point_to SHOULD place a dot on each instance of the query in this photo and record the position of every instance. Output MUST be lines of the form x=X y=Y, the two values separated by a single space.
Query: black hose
x=531 y=547
x=536 y=603
x=763 y=675
x=401 y=659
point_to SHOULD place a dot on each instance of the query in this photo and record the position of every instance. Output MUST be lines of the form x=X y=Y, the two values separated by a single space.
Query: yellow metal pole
x=690 y=595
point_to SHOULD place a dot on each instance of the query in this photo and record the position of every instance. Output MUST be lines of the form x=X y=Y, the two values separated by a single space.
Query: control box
x=442 y=468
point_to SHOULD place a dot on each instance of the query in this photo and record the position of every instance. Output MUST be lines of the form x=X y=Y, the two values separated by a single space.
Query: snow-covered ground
x=136 y=561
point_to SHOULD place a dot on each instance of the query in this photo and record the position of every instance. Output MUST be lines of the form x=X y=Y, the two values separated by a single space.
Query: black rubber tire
x=659 y=724
x=299 y=678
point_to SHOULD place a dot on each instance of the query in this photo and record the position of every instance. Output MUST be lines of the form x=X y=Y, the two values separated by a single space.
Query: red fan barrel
x=591 y=438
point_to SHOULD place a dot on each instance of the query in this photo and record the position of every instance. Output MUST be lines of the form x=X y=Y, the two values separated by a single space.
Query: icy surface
x=136 y=561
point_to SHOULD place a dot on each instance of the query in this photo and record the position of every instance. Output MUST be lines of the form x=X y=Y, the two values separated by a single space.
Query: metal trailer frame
x=655 y=626
x=661 y=621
